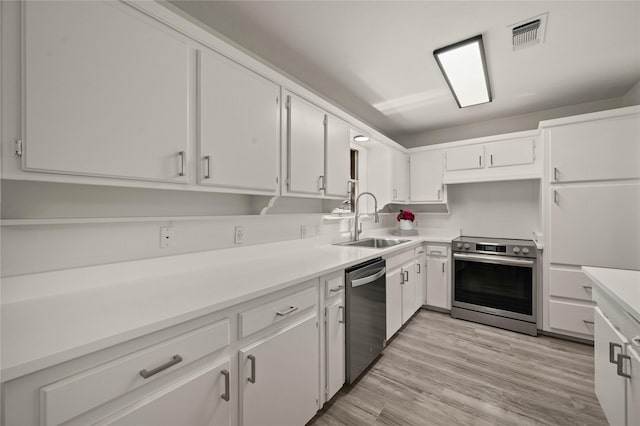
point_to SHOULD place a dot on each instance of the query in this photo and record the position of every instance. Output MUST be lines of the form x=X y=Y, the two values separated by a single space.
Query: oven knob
x=459 y=245
x=516 y=249
x=525 y=250
x=467 y=245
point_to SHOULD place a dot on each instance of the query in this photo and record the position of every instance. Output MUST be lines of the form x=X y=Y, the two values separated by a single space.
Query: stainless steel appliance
x=366 y=315
x=495 y=282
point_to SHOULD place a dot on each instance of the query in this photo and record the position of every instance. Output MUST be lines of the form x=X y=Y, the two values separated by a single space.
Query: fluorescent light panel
x=464 y=67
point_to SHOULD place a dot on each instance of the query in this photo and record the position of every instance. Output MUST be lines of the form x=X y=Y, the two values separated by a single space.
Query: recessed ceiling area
x=375 y=58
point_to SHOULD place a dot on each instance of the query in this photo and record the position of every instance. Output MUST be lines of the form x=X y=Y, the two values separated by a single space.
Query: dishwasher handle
x=369 y=278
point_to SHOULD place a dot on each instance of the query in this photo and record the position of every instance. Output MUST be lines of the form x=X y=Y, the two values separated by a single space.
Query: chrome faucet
x=356 y=231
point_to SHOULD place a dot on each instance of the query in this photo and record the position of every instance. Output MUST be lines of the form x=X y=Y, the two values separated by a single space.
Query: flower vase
x=406 y=225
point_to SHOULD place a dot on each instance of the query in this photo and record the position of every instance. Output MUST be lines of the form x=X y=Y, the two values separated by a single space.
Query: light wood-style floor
x=442 y=371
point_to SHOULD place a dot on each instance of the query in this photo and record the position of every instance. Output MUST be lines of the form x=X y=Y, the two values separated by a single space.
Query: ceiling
x=375 y=58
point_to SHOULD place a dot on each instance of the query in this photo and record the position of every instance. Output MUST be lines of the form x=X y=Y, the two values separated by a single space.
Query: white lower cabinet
x=438 y=288
x=335 y=347
x=279 y=376
x=200 y=399
x=402 y=291
x=394 y=301
x=421 y=276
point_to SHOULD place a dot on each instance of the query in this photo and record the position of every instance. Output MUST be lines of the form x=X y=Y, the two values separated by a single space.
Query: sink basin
x=374 y=243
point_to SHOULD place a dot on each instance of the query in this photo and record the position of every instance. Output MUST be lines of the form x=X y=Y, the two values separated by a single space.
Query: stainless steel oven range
x=495 y=282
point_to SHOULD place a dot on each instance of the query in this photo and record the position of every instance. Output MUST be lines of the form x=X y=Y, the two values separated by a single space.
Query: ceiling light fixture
x=361 y=138
x=464 y=66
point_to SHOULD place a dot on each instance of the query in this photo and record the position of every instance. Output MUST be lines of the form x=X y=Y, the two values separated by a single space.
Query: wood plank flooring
x=442 y=371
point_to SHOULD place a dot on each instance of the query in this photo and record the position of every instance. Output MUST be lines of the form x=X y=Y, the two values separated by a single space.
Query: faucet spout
x=376 y=218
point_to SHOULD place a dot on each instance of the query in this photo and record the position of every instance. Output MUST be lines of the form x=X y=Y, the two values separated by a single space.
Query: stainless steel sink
x=374 y=243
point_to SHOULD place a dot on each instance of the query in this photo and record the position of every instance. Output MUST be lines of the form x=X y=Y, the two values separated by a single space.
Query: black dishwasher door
x=366 y=315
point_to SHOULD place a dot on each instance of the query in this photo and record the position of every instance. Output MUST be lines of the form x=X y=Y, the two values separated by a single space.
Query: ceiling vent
x=528 y=33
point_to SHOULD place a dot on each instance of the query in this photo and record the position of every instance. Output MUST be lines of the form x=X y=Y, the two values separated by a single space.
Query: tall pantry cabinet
x=591 y=208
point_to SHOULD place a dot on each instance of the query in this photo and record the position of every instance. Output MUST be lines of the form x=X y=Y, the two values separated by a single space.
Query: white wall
x=491 y=209
x=632 y=97
x=498 y=126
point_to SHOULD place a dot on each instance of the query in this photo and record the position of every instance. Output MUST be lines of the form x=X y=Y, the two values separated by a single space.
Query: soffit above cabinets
x=375 y=58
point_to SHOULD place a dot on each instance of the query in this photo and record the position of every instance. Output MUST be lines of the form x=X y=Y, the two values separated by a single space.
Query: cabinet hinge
x=18 y=148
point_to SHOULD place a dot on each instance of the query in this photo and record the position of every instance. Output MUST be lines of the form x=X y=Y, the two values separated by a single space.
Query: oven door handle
x=501 y=260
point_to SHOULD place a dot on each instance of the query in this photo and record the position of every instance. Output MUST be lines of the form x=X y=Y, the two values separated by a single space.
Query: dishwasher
x=366 y=315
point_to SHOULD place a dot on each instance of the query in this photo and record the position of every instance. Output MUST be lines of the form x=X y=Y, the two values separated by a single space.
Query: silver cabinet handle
x=588 y=322
x=491 y=158
x=287 y=312
x=226 y=393
x=555 y=174
x=148 y=373
x=252 y=378
x=321 y=183
x=181 y=154
x=401 y=276
x=620 y=361
x=443 y=267
x=480 y=160
x=587 y=288
x=556 y=197
x=333 y=290
x=612 y=352
x=419 y=269
x=207 y=174
x=406 y=277
x=438 y=194
x=341 y=310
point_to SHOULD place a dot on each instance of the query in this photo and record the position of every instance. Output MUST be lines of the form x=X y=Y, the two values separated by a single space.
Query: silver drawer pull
x=287 y=312
x=341 y=310
x=588 y=322
x=148 y=373
x=252 y=378
x=333 y=290
x=226 y=394
x=612 y=352
x=406 y=276
x=207 y=174
x=621 y=372
x=555 y=174
x=587 y=288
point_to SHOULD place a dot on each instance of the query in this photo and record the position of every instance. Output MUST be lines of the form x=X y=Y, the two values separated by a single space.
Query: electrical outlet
x=240 y=235
x=304 y=231
x=167 y=236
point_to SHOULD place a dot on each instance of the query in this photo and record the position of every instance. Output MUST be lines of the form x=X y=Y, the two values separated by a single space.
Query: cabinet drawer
x=574 y=317
x=442 y=251
x=334 y=284
x=270 y=313
x=75 y=395
x=569 y=283
x=399 y=259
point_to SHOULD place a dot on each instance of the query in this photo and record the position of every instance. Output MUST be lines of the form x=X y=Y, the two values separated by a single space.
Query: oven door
x=498 y=285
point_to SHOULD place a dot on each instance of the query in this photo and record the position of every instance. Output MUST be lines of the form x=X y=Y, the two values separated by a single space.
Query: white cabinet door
x=610 y=388
x=633 y=387
x=426 y=176
x=438 y=286
x=335 y=347
x=409 y=292
x=599 y=150
x=596 y=225
x=510 y=153
x=279 y=376
x=421 y=277
x=305 y=143
x=394 y=301
x=337 y=159
x=106 y=92
x=199 y=399
x=465 y=158
x=400 y=175
x=239 y=126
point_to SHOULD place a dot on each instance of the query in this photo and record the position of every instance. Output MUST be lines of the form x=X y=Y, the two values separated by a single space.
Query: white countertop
x=622 y=285
x=49 y=318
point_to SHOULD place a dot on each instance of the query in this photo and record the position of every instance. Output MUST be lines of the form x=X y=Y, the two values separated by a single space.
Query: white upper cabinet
x=400 y=176
x=426 y=176
x=596 y=150
x=465 y=158
x=106 y=92
x=239 y=119
x=510 y=153
x=337 y=168
x=305 y=135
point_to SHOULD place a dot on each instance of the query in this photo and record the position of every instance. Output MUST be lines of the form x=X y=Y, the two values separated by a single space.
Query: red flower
x=406 y=215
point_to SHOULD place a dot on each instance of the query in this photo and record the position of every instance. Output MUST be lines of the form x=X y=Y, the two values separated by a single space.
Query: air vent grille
x=528 y=33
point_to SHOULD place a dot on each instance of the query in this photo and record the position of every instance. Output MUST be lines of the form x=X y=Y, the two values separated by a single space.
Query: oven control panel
x=504 y=247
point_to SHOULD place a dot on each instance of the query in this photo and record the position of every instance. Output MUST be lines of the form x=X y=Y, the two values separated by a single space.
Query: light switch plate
x=167 y=236
x=240 y=235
